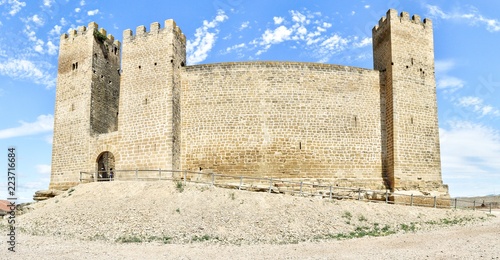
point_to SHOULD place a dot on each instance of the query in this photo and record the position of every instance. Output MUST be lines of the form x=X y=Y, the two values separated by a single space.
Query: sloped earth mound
x=171 y=213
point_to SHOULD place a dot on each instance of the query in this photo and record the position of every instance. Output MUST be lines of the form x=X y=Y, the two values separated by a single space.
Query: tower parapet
x=92 y=27
x=155 y=28
x=392 y=15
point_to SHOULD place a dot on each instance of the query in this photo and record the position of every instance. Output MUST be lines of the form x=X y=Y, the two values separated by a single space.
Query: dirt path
x=480 y=241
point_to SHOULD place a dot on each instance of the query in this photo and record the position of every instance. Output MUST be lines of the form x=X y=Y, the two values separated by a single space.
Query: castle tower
x=403 y=52
x=150 y=107
x=87 y=92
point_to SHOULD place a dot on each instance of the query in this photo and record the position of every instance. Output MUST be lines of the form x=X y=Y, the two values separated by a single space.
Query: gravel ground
x=150 y=220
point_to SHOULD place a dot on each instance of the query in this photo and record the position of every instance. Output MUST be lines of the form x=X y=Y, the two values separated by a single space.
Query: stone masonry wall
x=283 y=120
x=105 y=83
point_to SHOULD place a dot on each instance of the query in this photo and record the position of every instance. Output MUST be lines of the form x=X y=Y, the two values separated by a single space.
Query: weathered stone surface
x=336 y=125
x=46 y=194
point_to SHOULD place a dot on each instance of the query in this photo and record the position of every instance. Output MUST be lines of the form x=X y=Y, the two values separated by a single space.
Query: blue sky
x=466 y=38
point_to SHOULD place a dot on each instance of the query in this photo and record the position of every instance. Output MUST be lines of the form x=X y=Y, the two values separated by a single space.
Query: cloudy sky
x=466 y=37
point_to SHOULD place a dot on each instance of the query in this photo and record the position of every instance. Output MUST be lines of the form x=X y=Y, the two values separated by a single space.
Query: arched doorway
x=105 y=166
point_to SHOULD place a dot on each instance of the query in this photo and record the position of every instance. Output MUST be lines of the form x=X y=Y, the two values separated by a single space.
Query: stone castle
x=347 y=126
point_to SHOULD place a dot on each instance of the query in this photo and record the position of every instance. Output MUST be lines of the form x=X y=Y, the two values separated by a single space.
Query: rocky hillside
x=170 y=212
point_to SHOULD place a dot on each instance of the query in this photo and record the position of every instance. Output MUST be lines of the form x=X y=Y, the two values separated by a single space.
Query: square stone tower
x=149 y=119
x=88 y=86
x=403 y=51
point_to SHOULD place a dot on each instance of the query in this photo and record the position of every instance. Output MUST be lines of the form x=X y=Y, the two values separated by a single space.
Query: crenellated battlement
x=93 y=28
x=392 y=15
x=155 y=28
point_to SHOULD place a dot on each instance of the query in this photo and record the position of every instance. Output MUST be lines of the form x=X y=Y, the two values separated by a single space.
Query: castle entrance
x=105 y=166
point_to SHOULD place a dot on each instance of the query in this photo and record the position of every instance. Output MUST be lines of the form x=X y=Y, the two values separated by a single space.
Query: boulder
x=45 y=194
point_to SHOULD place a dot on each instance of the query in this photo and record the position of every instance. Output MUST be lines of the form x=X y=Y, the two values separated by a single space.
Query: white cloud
x=15 y=6
x=37 y=20
x=48 y=3
x=478 y=106
x=205 y=37
x=78 y=9
x=334 y=42
x=82 y=2
x=43 y=124
x=51 y=48
x=56 y=30
x=470 y=152
x=236 y=47
x=43 y=169
x=278 y=20
x=470 y=101
x=449 y=83
x=298 y=17
x=30 y=33
x=313 y=35
x=320 y=29
x=39 y=48
x=434 y=10
x=445 y=82
x=367 y=6
x=277 y=35
x=442 y=66
x=363 y=43
x=63 y=22
x=93 y=12
x=473 y=17
x=244 y=25
x=25 y=69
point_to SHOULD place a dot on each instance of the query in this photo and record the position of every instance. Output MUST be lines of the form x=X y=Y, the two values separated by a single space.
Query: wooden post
x=241 y=182
x=435 y=201
x=359 y=193
x=474 y=205
x=455 y=203
x=80 y=176
x=270 y=185
x=411 y=199
x=330 y=191
x=159 y=174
